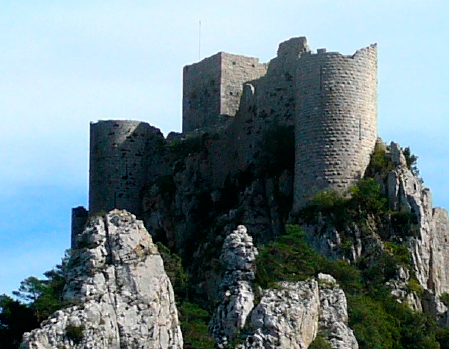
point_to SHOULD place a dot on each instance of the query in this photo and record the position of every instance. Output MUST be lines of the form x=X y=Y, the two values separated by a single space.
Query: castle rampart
x=336 y=120
x=330 y=99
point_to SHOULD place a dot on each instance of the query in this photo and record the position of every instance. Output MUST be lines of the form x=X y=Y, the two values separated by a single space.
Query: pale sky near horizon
x=65 y=64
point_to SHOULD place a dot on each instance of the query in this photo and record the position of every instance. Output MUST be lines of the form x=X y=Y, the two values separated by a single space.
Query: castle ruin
x=329 y=98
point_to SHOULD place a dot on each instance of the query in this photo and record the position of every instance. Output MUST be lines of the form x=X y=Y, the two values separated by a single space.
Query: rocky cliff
x=410 y=221
x=391 y=240
x=289 y=316
x=118 y=293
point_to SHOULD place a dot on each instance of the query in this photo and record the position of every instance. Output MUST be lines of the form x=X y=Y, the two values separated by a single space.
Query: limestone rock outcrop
x=286 y=317
x=333 y=322
x=237 y=298
x=292 y=315
x=426 y=237
x=428 y=242
x=120 y=294
x=289 y=316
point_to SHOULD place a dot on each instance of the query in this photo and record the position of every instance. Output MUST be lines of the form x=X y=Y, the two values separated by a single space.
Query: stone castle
x=328 y=98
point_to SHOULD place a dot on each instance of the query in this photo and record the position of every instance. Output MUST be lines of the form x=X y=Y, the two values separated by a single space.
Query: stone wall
x=213 y=87
x=331 y=99
x=336 y=125
x=275 y=93
x=201 y=94
x=235 y=71
x=79 y=220
x=121 y=154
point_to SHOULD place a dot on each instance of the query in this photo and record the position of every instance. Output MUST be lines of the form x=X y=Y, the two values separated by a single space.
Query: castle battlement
x=329 y=98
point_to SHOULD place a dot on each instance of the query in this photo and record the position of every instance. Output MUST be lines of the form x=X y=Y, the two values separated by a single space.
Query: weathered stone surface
x=123 y=296
x=286 y=317
x=237 y=298
x=333 y=321
x=292 y=315
x=428 y=242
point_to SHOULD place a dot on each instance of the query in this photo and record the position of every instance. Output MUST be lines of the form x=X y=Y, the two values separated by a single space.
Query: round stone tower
x=336 y=120
x=119 y=155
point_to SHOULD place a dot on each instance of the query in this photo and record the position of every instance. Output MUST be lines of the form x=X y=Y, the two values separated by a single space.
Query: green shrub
x=400 y=252
x=414 y=286
x=366 y=196
x=411 y=160
x=327 y=203
x=194 y=325
x=289 y=258
x=377 y=319
x=373 y=326
x=320 y=343
x=380 y=163
x=402 y=222
x=174 y=269
x=75 y=333
x=442 y=336
x=444 y=297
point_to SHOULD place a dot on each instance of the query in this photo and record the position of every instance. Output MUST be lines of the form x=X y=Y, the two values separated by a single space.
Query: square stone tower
x=213 y=88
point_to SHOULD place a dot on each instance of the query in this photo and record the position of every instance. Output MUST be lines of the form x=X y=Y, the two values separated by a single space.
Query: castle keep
x=329 y=98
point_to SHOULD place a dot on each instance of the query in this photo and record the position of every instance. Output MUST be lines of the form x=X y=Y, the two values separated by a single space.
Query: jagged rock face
x=286 y=317
x=237 y=298
x=292 y=315
x=333 y=322
x=429 y=241
x=123 y=296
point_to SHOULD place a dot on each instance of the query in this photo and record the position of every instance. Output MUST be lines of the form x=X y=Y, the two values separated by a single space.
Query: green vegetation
x=380 y=164
x=194 y=326
x=365 y=200
x=38 y=300
x=75 y=333
x=411 y=160
x=43 y=297
x=15 y=319
x=444 y=297
x=194 y=319
x=320 y=343
x=174 y=269
x=414 y=286
x=375 y=316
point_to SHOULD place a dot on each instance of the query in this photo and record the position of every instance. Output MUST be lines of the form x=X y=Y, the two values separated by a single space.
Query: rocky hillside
x=362 y=270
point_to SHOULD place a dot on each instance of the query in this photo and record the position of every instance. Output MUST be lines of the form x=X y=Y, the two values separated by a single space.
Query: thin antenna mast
x=199 y=42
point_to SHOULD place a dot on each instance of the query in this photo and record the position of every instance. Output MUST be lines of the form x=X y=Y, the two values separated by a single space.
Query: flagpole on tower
x=199 y=42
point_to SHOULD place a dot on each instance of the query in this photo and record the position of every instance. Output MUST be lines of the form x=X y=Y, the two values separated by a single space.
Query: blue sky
x=64 y=64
